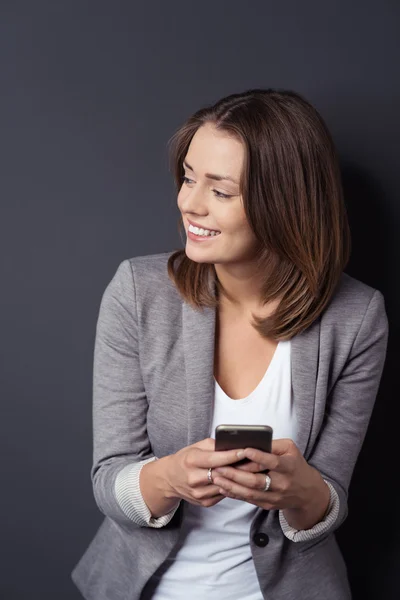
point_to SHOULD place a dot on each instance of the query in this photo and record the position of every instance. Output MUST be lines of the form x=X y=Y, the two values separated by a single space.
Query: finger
x=230 y=489
x=205 y=460
x=206 y=444
x=249 y=480
x=283 y=446
x=251 y=466
x=266 y=459
x=206 y=491
x=224 y=457
x=213 y=501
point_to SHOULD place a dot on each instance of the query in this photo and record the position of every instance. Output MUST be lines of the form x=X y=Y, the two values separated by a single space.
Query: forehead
x=211 y=149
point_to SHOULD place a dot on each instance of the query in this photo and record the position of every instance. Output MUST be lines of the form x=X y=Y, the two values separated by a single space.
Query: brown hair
x=293 y=199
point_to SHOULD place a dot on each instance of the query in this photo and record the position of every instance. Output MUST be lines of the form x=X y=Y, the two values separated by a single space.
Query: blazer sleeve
x=350 y=404
x=119 y=398
x=302 y=535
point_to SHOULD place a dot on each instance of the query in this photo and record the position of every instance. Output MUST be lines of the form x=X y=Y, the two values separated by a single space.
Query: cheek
x=237 y=225
x=180 y=199
x=242 y=237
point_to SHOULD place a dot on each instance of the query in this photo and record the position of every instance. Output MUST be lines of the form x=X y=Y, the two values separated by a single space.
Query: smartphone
x=229 y=437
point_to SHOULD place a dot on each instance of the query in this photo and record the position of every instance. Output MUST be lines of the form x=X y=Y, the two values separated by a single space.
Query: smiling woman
x=213 y=201
x=261 y=167
x=253 y=322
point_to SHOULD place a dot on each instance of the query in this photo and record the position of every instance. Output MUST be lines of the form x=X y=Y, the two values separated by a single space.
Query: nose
x=193 y=200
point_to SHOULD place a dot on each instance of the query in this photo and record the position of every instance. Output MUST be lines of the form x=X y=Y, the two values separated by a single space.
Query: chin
x=196 y=257
x=199 y=256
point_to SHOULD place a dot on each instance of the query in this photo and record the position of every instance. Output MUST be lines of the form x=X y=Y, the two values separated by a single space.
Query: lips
x=202 y=226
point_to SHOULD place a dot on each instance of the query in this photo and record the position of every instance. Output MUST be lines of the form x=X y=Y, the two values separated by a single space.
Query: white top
x=213 y=559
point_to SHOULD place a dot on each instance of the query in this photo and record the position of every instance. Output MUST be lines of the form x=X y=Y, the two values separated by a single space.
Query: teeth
x=204 y=232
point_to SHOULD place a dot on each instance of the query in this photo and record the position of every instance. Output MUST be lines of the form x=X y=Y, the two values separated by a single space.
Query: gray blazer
x=152 y=395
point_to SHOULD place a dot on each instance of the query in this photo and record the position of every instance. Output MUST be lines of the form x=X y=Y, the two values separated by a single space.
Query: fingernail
x=240 y=453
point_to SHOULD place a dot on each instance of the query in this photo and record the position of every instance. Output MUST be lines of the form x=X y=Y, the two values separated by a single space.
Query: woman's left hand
x=295 y=485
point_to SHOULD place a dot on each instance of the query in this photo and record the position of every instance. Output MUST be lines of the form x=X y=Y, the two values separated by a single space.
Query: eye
x=221 y=195
x=218 y=194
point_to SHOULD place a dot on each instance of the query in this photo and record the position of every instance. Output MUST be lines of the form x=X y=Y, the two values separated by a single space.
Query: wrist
x=167 y=478
x=155 y=489
x=314 y=507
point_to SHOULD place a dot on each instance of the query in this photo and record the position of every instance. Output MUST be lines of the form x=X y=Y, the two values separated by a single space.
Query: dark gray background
x=90 y=94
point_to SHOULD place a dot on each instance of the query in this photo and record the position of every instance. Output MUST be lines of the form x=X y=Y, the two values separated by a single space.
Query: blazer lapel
x=199 y=346
x=304 y=369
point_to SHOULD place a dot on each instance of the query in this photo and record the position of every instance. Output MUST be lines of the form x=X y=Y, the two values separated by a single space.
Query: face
x=215 y=204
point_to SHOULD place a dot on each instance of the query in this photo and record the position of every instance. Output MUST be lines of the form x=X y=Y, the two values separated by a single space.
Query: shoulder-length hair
x=293 y=200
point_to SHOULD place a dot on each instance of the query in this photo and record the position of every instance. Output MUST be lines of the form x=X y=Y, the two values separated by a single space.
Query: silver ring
x=267 y=483
x=209 y=476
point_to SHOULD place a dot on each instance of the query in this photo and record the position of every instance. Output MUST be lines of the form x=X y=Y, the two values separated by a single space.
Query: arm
x=349 y=408
x=130 y=485
x=120 y=442
x=140 y=486
x=301 y=532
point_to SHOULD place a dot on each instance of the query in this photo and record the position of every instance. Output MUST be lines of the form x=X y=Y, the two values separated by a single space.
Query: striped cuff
x=130 y=499
x=302 y=535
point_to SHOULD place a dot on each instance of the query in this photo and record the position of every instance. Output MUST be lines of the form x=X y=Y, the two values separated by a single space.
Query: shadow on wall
x=368 y=537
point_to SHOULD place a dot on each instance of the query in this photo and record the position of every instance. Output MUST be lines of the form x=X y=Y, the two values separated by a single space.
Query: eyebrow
x=212 y=175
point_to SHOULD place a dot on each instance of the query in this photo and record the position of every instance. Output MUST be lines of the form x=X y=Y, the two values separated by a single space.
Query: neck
x=239 y=287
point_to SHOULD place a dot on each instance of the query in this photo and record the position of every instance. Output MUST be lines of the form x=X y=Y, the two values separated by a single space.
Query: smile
x=201 y=237
x=199 y=232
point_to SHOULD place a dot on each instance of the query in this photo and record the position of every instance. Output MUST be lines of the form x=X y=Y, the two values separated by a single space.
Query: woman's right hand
x=183 y=476
x=186 y=472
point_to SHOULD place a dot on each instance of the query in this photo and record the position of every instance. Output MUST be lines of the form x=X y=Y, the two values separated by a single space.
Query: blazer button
x=260 y=539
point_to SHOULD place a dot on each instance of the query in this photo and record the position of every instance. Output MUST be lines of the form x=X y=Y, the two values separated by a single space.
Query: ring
x=267 y=483
x=209 y=476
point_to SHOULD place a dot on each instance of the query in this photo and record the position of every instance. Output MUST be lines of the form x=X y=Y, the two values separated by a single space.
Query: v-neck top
x=276 y=357
x=213 y=557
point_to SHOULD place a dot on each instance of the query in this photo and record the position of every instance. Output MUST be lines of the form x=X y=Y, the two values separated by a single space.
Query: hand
x=295 y=485
x=186 y=472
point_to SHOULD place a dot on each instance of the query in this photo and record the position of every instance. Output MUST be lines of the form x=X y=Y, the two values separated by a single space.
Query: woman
x=253 y=322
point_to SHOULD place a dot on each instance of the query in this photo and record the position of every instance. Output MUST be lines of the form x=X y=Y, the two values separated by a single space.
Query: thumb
x=206 y=444
x=283 y=446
